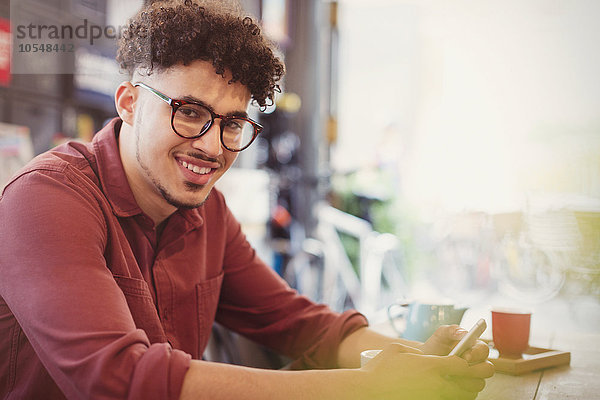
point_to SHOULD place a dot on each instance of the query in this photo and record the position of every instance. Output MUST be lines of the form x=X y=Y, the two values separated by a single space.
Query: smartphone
x=469 y=339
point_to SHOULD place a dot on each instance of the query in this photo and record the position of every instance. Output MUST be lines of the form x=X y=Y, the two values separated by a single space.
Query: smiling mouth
x=196 y=169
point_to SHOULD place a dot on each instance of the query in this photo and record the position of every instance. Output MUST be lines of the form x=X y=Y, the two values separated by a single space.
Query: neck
x=152 y=204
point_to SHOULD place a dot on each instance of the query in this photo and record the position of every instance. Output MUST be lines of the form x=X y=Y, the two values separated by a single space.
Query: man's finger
x=469 y=384
x=453 y=365
x=450 y=334
x=456 y=366
x=479 y=352
x=482 y=370
x=401 y=348
x=452 y=390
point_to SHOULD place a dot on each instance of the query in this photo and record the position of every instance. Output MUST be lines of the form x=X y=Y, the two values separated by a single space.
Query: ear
x=125 y=98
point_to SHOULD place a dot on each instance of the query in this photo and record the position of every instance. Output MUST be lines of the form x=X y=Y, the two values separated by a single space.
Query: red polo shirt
x=93 y=304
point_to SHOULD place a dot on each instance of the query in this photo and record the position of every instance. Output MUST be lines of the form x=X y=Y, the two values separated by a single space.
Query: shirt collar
x=110 y=168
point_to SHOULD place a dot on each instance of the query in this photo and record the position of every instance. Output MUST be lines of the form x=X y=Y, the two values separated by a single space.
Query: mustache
x=204 y=157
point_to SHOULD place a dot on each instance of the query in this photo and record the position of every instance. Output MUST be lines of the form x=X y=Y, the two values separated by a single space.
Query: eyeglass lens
x=193 y=119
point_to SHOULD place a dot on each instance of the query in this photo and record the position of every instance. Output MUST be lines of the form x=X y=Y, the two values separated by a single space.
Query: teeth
x=196 y=169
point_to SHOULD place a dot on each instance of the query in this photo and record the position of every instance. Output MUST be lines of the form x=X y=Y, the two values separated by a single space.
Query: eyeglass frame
x=176 y=103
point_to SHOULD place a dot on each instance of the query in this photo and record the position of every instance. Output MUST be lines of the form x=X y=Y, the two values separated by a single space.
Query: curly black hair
x=166 y=33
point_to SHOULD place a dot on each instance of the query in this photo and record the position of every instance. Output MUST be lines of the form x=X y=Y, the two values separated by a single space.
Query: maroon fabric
x=93 y=304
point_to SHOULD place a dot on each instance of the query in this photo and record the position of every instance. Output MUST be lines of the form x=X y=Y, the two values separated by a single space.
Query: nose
x=210 y=142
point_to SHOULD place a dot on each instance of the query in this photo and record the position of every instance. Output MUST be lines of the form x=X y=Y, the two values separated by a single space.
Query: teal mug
x=422 y=319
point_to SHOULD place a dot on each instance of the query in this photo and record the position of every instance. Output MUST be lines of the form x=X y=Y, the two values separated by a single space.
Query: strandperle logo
x=56 y=37
x=84 y=31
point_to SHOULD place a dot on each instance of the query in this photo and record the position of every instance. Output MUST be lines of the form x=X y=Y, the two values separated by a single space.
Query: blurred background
x=420 y=149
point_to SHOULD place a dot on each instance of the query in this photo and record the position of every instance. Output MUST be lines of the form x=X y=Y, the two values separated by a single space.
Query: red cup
x=510 y=332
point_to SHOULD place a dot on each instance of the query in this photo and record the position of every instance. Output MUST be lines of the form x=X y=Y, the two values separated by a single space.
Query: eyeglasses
x=191 y=120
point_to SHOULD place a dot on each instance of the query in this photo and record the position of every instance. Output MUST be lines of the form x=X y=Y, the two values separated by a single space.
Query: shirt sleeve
x=56 y=283
x=259 y=304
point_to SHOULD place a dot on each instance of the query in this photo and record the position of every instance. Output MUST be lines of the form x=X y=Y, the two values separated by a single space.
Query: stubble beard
x=169 y=198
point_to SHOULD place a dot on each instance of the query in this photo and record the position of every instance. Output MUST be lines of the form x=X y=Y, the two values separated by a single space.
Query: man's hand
x=403 y=372
x=446 y=337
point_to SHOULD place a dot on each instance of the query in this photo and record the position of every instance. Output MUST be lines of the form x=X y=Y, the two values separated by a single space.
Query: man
x=118 y=255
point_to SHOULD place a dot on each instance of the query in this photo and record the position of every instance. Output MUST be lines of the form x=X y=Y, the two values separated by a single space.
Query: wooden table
x=561 y=324
x=578 y=381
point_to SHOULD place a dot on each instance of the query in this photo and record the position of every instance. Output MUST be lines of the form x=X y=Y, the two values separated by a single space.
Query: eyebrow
x=192 y=99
